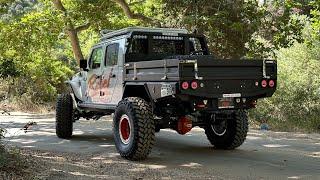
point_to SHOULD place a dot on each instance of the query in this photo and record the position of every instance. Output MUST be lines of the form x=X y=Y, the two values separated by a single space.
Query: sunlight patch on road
x=155 y=166
x=255 y=133
x=76 y=173
x=106 y=145
x=315 y=154
x=23 y=141
x=294 y=177
x=112 y=154
x=10 y=132
x=28 y=146
x=59 y=158
x=109 y=161
x=137 y=169
x=192 y=165
x=78 y=132
x=98 y=158
x=276 y=145
x=253 y=137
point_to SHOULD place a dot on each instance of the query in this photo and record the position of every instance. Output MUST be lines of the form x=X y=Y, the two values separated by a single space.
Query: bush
x=296 y=103
x=39 y=82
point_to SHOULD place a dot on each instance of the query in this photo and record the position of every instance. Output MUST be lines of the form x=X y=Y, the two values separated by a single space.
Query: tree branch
x=136 y=2
x=58 y=4
x=131 y=15
x=82 y=27
x=71 y=31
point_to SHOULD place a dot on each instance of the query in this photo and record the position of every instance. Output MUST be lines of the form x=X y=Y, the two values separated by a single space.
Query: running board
x=97 y=107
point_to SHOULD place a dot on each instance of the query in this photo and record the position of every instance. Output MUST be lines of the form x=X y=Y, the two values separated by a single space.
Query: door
x=94 y=75
x=110 y=73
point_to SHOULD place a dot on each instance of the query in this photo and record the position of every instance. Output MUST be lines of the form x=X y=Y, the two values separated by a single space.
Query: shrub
x=296 y=103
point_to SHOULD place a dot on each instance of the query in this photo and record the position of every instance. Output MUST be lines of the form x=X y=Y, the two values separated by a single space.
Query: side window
x=112 y=54
x=96 y=58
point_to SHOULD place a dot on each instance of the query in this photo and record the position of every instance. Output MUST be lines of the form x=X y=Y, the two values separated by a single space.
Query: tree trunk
x=77 y=52
x=71 y=31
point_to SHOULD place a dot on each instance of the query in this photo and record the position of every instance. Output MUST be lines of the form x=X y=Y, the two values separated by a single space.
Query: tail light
x=185 y=85
x=271 y=83
x=194 y=85
x=264 y=83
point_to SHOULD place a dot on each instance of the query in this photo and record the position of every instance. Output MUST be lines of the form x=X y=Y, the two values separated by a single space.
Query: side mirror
x=83 y=64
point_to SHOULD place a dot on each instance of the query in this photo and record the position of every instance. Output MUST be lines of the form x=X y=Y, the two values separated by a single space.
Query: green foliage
x=296 y=103
x=228 y=25
x=12 y=9
x=29 y=58
x=281 y=26
x=8 y=68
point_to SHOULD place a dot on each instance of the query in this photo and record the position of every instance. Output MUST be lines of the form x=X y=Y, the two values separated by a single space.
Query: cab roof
x=108 y=34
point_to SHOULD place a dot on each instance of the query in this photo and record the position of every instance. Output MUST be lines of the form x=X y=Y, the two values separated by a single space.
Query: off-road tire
x=143 y=128
x=64 y=116
x=235 y=135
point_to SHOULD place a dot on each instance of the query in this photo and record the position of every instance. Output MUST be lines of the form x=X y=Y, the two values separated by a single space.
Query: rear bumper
x=230 y=88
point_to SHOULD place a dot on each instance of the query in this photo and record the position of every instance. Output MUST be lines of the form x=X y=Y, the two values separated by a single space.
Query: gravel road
x=91 y=153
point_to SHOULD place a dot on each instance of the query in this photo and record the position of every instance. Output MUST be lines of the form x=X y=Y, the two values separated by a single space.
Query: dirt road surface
x=91 y=153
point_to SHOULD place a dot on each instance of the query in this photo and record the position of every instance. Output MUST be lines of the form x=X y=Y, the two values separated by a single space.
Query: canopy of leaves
x=227 y=24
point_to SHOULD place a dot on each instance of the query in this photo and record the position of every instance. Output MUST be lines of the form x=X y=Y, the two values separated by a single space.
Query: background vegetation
x=42 y=40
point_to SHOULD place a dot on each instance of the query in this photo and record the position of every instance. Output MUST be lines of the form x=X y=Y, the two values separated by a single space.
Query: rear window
x=168 y=45
x=156 y=47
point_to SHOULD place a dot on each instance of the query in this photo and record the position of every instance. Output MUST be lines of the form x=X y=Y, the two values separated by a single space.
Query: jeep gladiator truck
x=156 y=78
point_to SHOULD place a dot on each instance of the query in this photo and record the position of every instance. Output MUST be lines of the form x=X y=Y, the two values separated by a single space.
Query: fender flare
x=137 y=90
x=73 y=89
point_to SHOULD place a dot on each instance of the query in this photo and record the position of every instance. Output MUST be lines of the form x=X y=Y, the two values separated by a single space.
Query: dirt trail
x=91 y=154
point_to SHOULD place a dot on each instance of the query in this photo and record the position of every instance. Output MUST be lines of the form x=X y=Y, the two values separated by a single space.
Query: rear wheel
x=64 y=116
x=230 y=133
x=133 y=128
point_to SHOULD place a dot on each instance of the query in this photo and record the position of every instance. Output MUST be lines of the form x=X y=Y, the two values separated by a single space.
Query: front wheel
x=230 y=133
x=133 y=128
x=64 y=116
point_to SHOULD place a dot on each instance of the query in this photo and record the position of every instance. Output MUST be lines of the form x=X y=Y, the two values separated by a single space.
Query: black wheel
x=133 y=128
x=157 y=129
x=64 y=116
x=230 y=133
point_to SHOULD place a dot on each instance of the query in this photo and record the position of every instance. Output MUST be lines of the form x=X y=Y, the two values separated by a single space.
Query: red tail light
x=264 y=83
x=194 y=85
x=271 y=83
x=185 y=85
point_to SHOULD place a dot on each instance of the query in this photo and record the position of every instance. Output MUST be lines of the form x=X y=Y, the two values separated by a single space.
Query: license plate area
x=166 y=90
x=226 y=103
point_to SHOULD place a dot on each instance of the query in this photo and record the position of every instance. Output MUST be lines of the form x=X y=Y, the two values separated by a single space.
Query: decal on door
x=94 y=88
x=105 y=95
